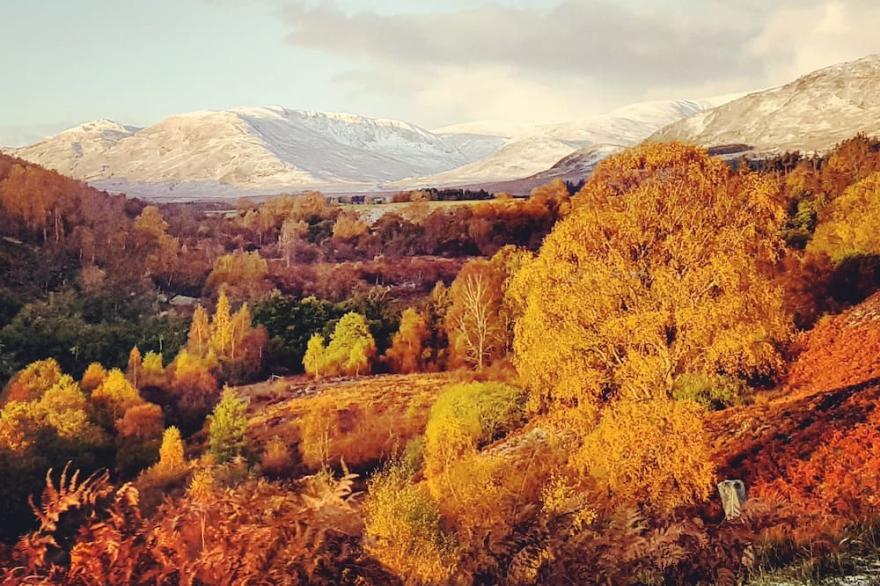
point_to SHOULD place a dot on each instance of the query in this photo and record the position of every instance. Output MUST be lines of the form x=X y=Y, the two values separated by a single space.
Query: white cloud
x=571 y=58
x=809 y=35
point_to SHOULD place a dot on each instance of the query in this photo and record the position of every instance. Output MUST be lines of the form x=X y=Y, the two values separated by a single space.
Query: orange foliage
x=143 y=422
x=407 y=352
x=840 y=351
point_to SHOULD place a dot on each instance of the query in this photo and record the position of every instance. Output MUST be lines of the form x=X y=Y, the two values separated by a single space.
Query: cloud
x=810 y=35
x=575 y=57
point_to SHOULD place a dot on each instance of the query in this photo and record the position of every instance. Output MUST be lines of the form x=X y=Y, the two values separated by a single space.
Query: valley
x=265 y=345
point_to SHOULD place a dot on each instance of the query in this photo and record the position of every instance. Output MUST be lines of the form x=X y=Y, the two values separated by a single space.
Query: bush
x=712 y=392
x=654 y=454
x=402 y=529
x=277 y=458
x=467 y=416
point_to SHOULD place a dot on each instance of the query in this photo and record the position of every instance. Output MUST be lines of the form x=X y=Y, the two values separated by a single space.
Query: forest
x=541 y=390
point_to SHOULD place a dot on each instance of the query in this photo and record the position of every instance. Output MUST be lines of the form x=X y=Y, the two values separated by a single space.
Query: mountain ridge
x=273 y=149
x=811 y=113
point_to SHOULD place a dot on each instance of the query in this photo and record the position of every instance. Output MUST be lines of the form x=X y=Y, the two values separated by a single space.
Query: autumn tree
x=151 y=223
x=227 y=426
x=152 y=371
x=242 y=273
x=350 y=351
x=653 y=454
x=171 y=454
x=476 y=333
x=143 y=421
x=660 y=269
x=481 y=314
x=351 y=346
x=135 y=366
x=236 y=344
x=292 y=232
x=349 y=226
x=31 y=382
x=848 y=226
x=199 y=337
x=314 y=358
x=113 y=398
x=407 y=351
x=93 y=376
x=194 y=388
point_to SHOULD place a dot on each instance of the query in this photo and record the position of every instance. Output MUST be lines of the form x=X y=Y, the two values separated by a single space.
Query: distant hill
x=259 y=151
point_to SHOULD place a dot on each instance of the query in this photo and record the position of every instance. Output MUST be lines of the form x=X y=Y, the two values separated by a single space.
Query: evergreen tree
x=227 y=426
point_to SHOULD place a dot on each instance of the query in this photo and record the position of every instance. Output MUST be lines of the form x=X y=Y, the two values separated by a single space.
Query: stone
x=733 y=497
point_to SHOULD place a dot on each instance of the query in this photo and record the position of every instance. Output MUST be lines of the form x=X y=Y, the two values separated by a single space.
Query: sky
x=430 y=62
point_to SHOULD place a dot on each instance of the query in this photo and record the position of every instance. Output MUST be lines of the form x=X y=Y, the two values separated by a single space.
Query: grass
x=362 y=421
x=853 y=559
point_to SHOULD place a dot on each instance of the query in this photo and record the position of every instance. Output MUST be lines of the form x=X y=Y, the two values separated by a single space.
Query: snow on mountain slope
x=74 y=151
x=245 y=150
x=270 y=150
x=810 y=114
x=546 y=145
x=518 y=158
x=630 y=124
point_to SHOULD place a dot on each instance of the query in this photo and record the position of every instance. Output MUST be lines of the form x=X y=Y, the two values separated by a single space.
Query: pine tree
x=227 y=426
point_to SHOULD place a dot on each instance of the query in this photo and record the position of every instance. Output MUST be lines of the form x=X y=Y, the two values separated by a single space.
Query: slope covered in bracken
x=816 y=442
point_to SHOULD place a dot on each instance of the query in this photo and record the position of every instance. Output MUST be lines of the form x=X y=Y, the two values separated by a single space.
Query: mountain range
x=266 y=150
x=256 y=151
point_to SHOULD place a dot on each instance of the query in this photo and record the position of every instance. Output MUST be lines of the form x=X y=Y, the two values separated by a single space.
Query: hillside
x=246 y=150
x=530 y=151
x=810 y=114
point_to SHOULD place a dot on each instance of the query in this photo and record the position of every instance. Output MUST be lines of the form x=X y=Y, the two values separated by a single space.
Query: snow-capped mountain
x=246 y=150
x=271 y=150
x=530 y=150
x=810 y=114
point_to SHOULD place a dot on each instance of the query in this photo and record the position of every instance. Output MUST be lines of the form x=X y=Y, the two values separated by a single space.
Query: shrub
x=467 y=416
x=277 y=458
x=654 y=454
x=712 y=392
x=402 y=528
